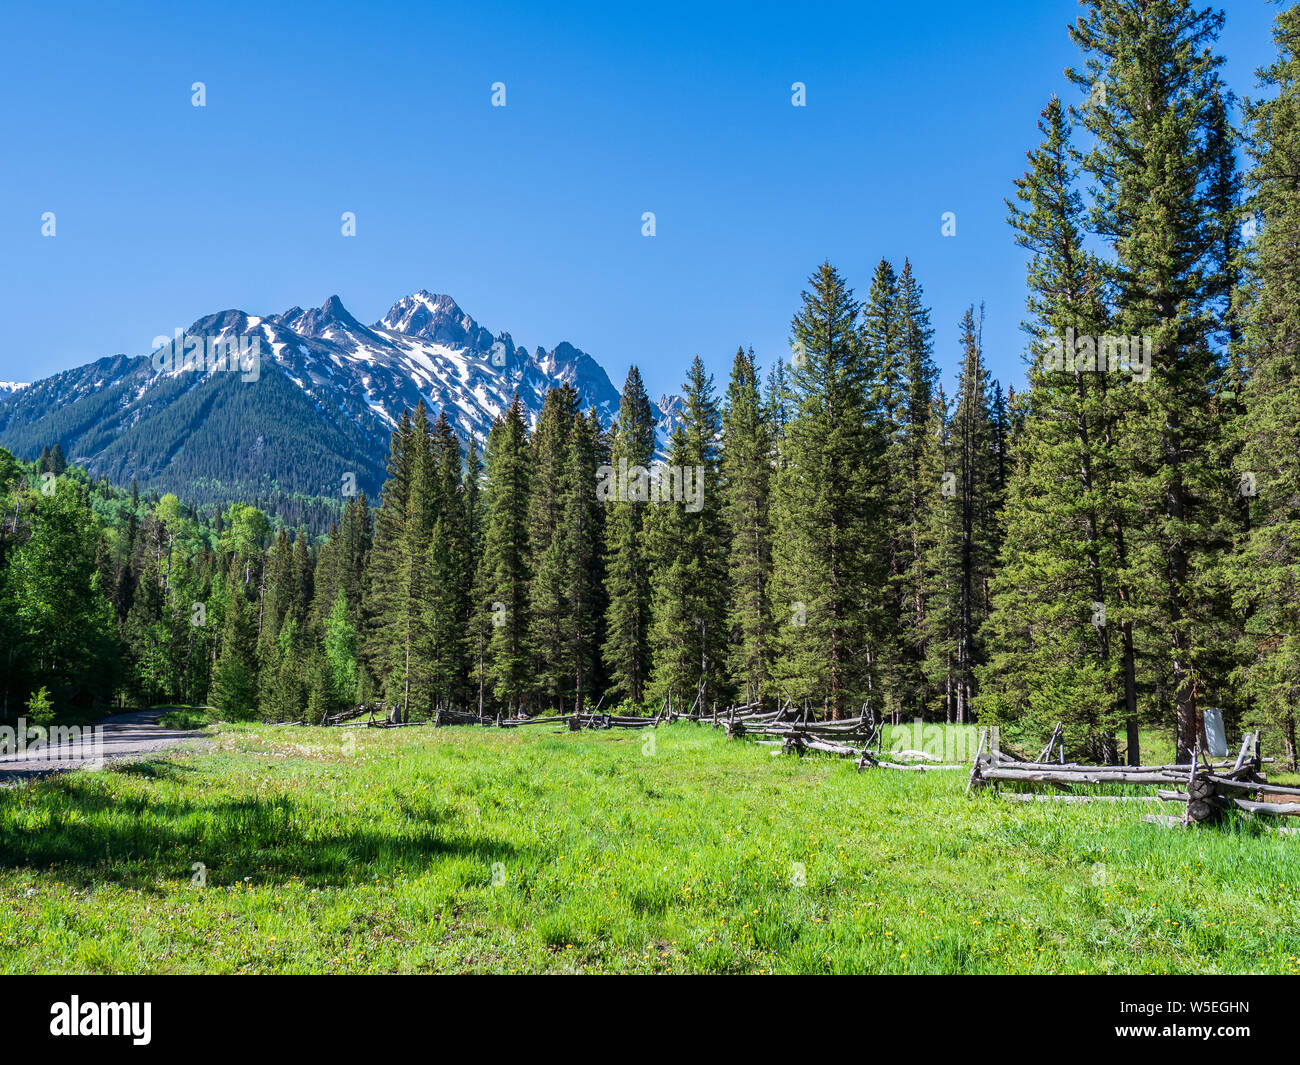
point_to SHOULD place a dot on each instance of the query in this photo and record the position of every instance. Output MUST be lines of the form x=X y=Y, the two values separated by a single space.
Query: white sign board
x=1215 y=736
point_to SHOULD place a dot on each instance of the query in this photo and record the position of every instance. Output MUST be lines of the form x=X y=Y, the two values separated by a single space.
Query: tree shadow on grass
x=154 y=769
x=74 y=829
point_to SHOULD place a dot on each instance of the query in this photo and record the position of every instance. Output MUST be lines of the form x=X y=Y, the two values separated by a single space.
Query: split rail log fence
x=788 y=728
x=1205 y=788
x=795 y=732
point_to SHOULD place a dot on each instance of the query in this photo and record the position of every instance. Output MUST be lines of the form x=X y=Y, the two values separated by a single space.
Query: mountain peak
x=333 y=308
x=330 y=319
x=431 y=316
x=330 y=391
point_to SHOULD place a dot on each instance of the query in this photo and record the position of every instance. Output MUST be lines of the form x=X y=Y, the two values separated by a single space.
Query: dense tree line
x=792 y=542
x=1149 y=565
x=1115 y=547
x=192 y=437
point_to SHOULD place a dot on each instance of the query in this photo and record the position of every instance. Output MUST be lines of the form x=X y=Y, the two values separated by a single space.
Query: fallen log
x=1034 y=796
x=1181 y=767
x=919 y=755
x=1269 y=809
x=1082 y=775
x=1248 y=785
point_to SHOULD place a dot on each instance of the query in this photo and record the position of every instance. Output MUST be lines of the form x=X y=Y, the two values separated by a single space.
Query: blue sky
x=529 y=215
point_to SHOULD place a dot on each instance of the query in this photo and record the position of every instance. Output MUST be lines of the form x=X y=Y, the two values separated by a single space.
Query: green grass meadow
x=281 y=849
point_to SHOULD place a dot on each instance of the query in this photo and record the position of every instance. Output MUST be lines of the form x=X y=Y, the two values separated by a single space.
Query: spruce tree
x=551 y=580
x=882 y=338
x=382 y=594
x=922 y=463
x=685 y=539
x=1152 y=68
x=234 y=676
x=978 y=501
x=828 y=515
x=1266 y=573
x=1060 y=634
x=627 y=621
x=745 y=484
x=582 y=536
x=504 y=589
x=450 y=572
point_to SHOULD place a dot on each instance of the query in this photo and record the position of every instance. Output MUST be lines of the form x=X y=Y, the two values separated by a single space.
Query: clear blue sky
x=529 y=215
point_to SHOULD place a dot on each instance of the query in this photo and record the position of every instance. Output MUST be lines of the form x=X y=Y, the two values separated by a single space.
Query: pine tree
x=276 y=599
x=778 y=401
x=684 y=534
x=479 y=628
x=341 y=561
x=1266 y=573
x=1225 y=648
x=412 y=676
x=398 y=645
x=746 y=479
x=882 y=339
x=322 y=698
x=627 y=623
x=234 y=676
x=939 y=570
x=923 y=464
x=451 y=571
x=549 y=613
x=379 y=617
x=509 y=666
x=1152 y=65
x=302 y=578
x=979 y=502
x=582 y=535
x=282 y=693
x=145 y=636
x=1060 y=635
x=828 y=517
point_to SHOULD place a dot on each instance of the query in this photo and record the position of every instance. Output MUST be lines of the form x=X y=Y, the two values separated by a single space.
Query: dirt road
x=120 y=736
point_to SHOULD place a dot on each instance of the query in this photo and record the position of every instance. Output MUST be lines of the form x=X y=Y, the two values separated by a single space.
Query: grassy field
x=463 y=849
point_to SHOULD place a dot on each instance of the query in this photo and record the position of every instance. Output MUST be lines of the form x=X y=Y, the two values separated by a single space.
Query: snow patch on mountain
x=426 y=347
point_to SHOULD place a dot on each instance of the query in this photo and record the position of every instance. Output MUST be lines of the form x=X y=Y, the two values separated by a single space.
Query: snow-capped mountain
x=424 y=347
x=8 y=388
x=329 y=392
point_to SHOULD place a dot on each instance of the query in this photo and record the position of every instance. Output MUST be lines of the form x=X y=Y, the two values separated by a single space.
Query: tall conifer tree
x=506 y=553
x=746 y=477
x=1060 y=636
x=828 y=515
x=627 y=622
x=1151 y=69
x=685 y=538
x=1267 y=571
